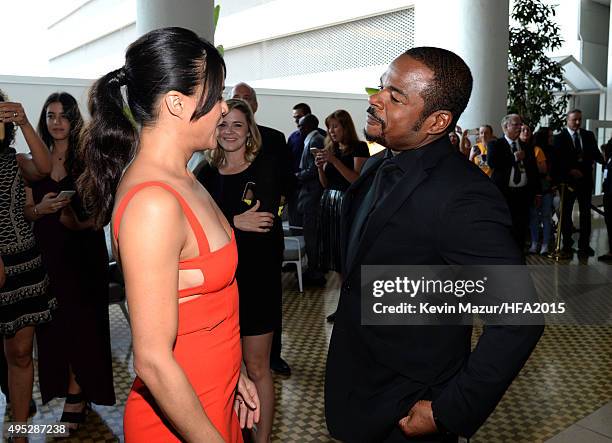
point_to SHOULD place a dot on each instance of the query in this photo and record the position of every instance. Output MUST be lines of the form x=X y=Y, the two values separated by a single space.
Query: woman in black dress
x=24 y=300
x=243 y=181
x=339 y=165
x=74 y=349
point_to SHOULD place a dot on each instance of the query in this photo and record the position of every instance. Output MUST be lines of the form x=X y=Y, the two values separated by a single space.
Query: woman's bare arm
x=38 y=165
x=152 y=234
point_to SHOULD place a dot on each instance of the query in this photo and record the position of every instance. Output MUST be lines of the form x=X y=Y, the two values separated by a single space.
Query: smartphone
x=249 y=193
x=474 y=131
x=65 y=195
x=314 y=151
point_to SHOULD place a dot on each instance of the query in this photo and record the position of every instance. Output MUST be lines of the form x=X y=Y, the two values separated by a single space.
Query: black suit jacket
x=273 y=143
x=308 y=177
x=565 y=158
x=606 y=186
x=500 y=159
x=376 y=373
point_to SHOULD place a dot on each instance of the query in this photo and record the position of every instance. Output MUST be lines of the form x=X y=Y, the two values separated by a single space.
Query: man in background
x=576 y=152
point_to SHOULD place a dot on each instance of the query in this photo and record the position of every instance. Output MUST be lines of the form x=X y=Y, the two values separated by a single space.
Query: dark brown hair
x=350 y=134
x=73 y=114
x=160 y=61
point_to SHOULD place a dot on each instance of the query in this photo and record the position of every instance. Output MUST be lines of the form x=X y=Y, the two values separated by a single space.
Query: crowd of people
x=531 y=169
x=55 y=268
x=201 y=246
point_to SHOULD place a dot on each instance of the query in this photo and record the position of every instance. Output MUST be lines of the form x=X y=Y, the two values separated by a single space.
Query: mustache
x=372 y=113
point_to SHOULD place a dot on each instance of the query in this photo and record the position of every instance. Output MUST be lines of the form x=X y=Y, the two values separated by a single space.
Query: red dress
x=207 y=344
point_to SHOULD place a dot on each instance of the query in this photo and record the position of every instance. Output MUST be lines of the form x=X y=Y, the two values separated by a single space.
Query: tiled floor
x=597 y=427
x=568 y=377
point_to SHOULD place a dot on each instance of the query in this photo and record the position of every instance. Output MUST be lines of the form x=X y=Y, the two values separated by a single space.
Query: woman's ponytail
x=108 y=144
x=163 y=60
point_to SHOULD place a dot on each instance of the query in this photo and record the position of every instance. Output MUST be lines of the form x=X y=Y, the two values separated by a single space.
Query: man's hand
x=419 y=420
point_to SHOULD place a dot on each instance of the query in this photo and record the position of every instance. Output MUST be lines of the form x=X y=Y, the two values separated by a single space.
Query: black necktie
x=516 y=176
x=577 y=143
x=386 y=176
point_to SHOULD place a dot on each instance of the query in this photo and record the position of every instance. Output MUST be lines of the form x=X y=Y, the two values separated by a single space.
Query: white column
x=476 y=30
x=608 y=106
x=196 y=15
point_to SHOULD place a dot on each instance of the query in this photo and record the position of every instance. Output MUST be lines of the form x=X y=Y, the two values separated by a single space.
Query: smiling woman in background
x=243 y=181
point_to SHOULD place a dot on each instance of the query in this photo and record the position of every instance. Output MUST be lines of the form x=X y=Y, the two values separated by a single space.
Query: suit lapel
x=411 y=178
x=369 y=168
x=414 y=173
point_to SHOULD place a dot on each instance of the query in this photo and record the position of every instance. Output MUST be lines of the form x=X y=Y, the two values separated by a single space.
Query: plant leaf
x=216 y=13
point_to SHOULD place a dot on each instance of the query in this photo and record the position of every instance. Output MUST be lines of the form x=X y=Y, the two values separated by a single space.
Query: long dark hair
x=9 y=131
x=73 y=114
x=349 y=133
x=160 y=61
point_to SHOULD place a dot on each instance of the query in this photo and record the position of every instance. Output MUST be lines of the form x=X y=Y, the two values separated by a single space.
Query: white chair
x=295 y=251
x=116 y=290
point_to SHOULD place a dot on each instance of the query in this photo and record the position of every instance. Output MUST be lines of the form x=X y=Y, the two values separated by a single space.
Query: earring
x=249 y=142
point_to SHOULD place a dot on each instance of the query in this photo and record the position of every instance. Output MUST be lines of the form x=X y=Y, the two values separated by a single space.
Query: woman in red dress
x=177 y=250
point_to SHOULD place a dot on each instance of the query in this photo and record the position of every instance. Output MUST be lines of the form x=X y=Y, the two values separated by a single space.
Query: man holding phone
x=310 y=195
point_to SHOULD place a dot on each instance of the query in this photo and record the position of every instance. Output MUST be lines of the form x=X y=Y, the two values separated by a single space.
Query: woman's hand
x=326 y=156
x=50 y=204
x=12 y=112
x=254 y=221
x=320 y=162
x=39 y=165
x=246 y=403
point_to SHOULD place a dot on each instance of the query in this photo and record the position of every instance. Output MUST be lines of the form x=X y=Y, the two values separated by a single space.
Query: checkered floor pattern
x=568 y=376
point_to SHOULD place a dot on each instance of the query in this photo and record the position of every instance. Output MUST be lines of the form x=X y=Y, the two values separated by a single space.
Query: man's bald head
x=244 y=92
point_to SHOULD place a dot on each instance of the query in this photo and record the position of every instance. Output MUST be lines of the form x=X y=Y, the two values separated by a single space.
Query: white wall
x=279 y=18
x=32 y=92
x=594 y=26
x=274 y=105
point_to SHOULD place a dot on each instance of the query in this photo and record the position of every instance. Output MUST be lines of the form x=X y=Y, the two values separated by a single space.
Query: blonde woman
x=243 y=181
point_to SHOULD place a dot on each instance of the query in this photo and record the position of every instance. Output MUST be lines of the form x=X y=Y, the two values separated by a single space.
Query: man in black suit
x=419 y=203
x=576 y=151
x=309 y=196
x=515 y=172
x=272 y=142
